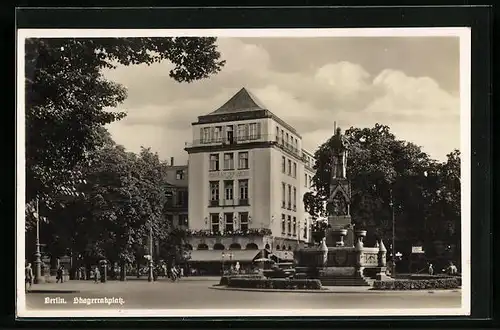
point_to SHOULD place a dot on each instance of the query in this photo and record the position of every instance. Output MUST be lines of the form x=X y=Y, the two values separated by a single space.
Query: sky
x=410 y=84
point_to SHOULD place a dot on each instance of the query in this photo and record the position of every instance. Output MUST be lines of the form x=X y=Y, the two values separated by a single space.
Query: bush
x=428 y=284
x=276 y=283
x=224 y=280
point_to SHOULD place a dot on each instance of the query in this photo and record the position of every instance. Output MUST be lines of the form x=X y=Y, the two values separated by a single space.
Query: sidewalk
x=341 y=289
x=132 y=284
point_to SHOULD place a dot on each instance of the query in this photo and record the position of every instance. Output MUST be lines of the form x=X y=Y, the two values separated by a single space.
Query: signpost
x=417 y=249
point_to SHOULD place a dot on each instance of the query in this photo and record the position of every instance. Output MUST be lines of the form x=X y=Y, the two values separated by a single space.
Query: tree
x=67 y=97
x=381 y=169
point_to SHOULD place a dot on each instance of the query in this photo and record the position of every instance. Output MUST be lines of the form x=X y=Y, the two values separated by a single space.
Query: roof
x=216 y=255
x=241 y=102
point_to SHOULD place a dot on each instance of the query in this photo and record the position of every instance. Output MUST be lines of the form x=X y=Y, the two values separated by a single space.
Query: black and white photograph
x=256 y=172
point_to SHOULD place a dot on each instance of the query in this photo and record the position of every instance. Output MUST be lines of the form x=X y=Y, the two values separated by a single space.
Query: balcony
x=229 y=202
x=243 y=202
x=271 y=138
x=241 y=233
x=228 y=142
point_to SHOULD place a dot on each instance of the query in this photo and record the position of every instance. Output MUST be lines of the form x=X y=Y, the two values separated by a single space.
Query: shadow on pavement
x=52 y=291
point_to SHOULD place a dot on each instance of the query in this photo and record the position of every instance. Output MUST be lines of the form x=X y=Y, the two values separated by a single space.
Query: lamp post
x=222 y=270
x=391 y=204
x=38 y=254
x=150 y=271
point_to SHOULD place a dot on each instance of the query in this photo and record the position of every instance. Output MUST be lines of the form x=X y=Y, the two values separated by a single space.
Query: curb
x=369 y=291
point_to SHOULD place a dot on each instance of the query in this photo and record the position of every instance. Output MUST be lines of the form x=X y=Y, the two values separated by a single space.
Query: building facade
x=248 y=174
x=176 y=208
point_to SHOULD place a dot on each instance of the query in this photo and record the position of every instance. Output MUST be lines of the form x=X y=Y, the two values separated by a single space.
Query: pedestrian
x=97 y=275
x=59 y=275
x=452 y=269
x=431 y=270
x=28 y=271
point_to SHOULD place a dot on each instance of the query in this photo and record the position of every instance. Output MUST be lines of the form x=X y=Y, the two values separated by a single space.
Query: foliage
x=432 y=284
x=68 y=99
x=318 y=230
x=275 y=283
x=386 y=175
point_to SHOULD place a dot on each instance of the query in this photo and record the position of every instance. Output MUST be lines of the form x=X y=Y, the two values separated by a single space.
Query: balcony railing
x=228 y=202
x=249 y=232
x=289 y=147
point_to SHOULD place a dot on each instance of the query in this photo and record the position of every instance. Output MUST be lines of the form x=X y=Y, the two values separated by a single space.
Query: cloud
x=310 y=97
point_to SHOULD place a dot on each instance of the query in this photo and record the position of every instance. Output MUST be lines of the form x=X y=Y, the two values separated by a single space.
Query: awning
x=216 y=255
x=282 y=256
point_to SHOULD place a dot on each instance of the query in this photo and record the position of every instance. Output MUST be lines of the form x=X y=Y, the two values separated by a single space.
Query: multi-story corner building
x=176 y=208
x=247 y=177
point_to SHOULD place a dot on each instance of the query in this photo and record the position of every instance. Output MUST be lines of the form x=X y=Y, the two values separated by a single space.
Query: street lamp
x=38 y=254
x=150 y=271
x=391 y=204
x=222 y=270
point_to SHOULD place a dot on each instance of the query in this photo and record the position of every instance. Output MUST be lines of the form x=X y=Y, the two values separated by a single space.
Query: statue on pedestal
x=340 y=146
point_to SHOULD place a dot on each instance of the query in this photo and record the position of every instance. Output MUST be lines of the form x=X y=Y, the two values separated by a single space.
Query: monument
x=339 y=201
x=341 y=257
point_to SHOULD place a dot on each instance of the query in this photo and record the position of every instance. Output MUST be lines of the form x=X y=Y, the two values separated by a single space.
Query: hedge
x=432 y=284
x=274 y=283
x=225 y=279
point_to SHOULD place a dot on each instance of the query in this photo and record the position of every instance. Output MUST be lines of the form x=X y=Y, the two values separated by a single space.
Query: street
x=194 y=293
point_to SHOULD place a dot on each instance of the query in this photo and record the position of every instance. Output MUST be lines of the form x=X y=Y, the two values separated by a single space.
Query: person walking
x=59 y=275
x=97 y=275
x=431 y=270
x=28 y=273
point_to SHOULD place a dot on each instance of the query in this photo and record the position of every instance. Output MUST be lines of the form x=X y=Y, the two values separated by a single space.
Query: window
x=294 y=226
x=214 y=190
x=289 y=225
x=242 y=132
x=243 y=184
x=310 y=181
x=283 y=195
x=294 y=198
x=228 y=190
x=229 y=161
x=214 y=222
x=289 y=167
x=253 y=131
x=282 y=137
x=289 y=197
x=183 y=220
x=179 y=174
x=206 y=135
x=277 y=134
x=294 y=170
x=214 y=162
x=243 y=160
x=181 y=198
x=243 y=221
x=305 y=228
x=283 y=226
x=305 y=180
x=229 y=134
x=283 y=164
x=218 y=134
x=229 y=223
x=286 y=140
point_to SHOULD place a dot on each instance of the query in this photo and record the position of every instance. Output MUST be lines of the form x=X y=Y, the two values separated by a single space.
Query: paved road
x=190 y=294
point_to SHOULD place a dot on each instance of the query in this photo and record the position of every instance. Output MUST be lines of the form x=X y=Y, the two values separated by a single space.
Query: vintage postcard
x=280 y=172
